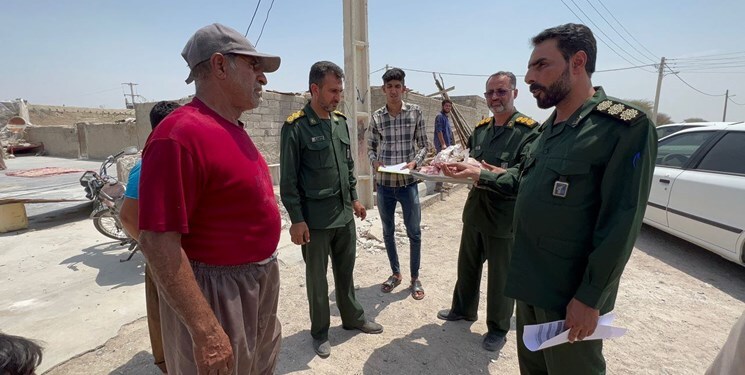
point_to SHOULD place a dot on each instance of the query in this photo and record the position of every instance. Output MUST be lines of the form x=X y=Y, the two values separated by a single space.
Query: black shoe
x=322 y=348
x=369 y=327
x=451 y=316
x=493 y=342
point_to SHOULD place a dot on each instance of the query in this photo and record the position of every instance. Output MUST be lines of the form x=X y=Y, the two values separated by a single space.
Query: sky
x=78 y=53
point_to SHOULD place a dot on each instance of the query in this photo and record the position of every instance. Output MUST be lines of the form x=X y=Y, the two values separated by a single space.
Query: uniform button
x=545 y=150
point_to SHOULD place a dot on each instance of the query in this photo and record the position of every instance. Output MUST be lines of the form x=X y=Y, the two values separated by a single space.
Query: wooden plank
x=4 y=201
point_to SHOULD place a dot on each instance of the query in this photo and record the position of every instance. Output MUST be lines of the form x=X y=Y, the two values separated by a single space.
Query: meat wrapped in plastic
x=451 y=154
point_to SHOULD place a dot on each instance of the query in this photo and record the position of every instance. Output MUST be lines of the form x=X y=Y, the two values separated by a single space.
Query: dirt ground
x=677 y=300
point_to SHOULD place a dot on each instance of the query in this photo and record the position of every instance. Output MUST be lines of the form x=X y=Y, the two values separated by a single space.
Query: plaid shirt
x=394 y=140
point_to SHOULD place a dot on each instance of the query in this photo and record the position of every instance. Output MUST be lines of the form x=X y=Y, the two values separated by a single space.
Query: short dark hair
x=445 y=101
x=510 y=75
x=160 y=111
x=394 y=74
x=319 y=70
x=18 y=355
x=570 y=39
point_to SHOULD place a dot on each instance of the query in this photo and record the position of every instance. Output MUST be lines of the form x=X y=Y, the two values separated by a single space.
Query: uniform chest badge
x=504 y=165
x=319 y=138
x=477 y=148
x=560 y=188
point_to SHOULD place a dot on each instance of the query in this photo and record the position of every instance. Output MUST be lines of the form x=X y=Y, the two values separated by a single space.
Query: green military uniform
x=317 y=186
x=583 y=188
x=487 y=224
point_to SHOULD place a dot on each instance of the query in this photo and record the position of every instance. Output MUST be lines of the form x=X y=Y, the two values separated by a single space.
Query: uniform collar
x=510 y=121
x=313 y=118
x=580 y=114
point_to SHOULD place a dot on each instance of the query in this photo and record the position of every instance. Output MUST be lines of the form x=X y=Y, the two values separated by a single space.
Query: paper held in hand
x=541 y=336
x=397 y=169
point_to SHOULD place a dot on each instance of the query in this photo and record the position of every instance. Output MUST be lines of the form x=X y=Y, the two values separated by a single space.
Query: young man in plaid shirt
x=397 y=135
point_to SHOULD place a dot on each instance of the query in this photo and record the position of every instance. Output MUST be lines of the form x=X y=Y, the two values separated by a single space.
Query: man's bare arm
x=129 y=215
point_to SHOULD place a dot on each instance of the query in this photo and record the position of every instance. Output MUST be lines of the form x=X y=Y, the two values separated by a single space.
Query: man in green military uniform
x=583 y=188
x=487 y=215
x=318 y=189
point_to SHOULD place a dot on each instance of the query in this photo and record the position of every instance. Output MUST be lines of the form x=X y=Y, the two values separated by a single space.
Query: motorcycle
x=107 y=194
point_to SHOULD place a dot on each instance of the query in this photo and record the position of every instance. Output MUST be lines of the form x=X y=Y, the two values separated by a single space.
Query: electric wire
x=265 y=19
x=252 y=18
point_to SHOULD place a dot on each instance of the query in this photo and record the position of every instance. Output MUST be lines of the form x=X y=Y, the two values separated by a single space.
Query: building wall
x=103 y=140
x=263 y=124
x=61 y=141
x=59 y=115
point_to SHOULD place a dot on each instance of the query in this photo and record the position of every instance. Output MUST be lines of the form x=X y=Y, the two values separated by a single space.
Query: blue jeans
x=408 y=196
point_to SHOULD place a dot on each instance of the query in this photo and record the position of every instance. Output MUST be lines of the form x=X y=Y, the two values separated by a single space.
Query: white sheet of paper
x=394 y=169
x=542 y=336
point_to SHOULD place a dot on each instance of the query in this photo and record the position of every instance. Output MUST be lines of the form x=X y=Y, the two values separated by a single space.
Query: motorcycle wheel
x=109 y=226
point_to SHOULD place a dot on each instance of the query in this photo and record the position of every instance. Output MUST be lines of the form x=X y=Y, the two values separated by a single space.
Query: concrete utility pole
x=661 y=73
x=131 y=95
x=357 y=93
x=726 y=99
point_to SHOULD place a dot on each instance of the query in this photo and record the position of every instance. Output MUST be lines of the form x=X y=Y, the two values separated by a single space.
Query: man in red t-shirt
x=209 y=221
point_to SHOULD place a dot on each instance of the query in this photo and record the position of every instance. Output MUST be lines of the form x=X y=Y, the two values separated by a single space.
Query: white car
x=698 y=188
x=667 y=129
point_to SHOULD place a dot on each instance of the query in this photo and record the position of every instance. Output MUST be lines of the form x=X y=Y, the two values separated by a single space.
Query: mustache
x=535 y=86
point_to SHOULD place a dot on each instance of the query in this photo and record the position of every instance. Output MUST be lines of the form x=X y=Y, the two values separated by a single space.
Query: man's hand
x=581 y=320
x=377 y=164
x=492 y=168
x=213 y=353
x=410 y=166
x=461 y=170
x=299 y=233
x=359 y=210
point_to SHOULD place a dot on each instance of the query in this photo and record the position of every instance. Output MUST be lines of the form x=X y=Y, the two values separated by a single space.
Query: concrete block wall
x=60 y=141
x=264 y=124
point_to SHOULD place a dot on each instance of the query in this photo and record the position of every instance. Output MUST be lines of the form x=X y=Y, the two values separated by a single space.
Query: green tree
x=694 y=119
x=647 y=106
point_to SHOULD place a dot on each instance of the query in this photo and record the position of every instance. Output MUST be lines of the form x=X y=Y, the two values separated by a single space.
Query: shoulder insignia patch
x=619 y=110
x=527 y=121
x=484 y=121
x=339 y=113
x=295 y=116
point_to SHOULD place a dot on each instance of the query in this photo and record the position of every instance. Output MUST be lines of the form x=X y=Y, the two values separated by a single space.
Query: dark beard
x=555 y=93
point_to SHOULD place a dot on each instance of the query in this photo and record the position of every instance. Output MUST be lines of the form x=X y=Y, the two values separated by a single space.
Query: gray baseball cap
x=217 y=38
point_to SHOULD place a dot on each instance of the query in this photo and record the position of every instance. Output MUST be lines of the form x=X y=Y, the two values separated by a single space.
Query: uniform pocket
x=319 y=155
x=567 y=182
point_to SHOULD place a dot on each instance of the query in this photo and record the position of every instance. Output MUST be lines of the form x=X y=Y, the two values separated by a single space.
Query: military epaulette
x=527 y=121
x=341 y=114
x=484 y=121
x=293 y=117
x=619 y=110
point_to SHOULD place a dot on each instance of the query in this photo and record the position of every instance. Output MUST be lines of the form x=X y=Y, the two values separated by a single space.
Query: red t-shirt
x=203 y=177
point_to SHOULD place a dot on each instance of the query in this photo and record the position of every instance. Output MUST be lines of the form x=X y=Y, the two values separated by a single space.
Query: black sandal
x=417 y=292
x=389 y=284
